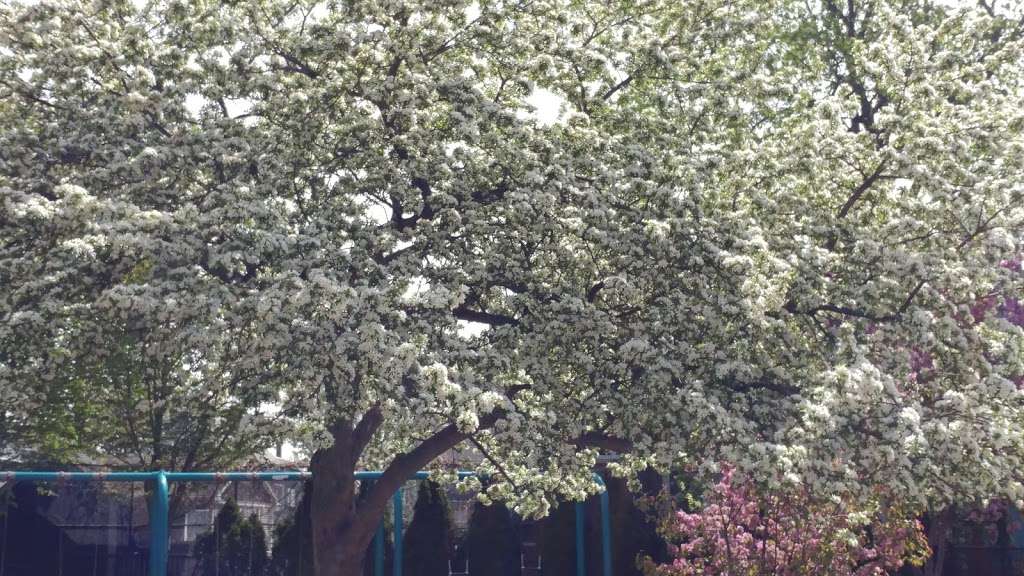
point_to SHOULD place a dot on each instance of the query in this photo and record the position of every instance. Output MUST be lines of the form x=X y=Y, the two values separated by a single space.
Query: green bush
x=492 y=541
x=428 y=540
x=634 y=528
x=293 y=541
x=236 y=546
x=557 y=540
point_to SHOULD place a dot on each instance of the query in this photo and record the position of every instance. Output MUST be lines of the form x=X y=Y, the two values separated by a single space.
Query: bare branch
x=601 y=440
x=611 y=91
x=861 y=189
x=407 y=464
x=463 y=313
x=493 y=461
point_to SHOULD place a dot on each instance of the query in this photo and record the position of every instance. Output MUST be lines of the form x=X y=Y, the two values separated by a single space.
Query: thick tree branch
x=611 y=91
x=792 y=308
x=604 y=441
x=861 y=189
x=405 y=465
x=463 y=313
x=366 y=428
x=855 y=197
x=296 y=65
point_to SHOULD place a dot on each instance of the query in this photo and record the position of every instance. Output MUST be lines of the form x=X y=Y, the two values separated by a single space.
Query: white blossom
x=716 y=251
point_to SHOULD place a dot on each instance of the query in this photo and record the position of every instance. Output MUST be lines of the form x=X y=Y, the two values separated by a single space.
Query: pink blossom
x=743 y=531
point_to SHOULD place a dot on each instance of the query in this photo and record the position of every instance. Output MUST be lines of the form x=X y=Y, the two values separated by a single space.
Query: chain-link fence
x=234 y=524
x=103 y=528
x=984 y=561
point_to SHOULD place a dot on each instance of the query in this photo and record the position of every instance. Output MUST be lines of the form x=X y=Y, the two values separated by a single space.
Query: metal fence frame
x=159 y=533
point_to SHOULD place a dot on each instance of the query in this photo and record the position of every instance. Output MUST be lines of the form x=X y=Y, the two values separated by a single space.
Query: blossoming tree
x=349 y=218
x=740 y=530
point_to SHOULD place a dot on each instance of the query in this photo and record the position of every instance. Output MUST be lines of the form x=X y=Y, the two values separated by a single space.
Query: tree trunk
x=340 y=535
x=341 y=532
x=337 y=551
x=938 y=527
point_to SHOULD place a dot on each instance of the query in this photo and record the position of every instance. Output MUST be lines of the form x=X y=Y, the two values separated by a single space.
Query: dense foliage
x=746 y=230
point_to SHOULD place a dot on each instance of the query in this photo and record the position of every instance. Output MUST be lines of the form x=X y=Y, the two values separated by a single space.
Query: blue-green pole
x=9 y=475
x=606 y=529
x=581 y=561
x=398 y=504
x=233 y=476
x=378 y=551
x=158 y=523
x=78 y=476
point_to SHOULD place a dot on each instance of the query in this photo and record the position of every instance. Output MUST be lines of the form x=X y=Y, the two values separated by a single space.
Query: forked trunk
x=340 y=536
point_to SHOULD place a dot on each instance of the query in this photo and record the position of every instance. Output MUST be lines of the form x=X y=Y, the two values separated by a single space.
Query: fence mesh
x=225 y=528
x=103 y=529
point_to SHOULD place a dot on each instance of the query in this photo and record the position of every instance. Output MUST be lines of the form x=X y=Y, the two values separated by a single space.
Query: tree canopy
x=753 y=233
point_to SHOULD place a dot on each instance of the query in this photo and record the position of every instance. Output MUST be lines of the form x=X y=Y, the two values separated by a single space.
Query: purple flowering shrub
x=740 y=530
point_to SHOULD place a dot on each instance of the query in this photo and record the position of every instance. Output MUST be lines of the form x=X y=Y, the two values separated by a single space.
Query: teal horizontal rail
x=148 y=476
x=160 y=522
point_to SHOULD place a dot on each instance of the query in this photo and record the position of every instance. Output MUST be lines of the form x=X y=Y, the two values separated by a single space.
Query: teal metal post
x=378 y=551
x=158 y=524
x=581 y=556
x=398 y=505
x=378 y=548
x=606 y=529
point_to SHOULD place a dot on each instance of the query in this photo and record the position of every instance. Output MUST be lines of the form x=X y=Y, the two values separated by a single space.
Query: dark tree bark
x=342 y=530
x=938 y=528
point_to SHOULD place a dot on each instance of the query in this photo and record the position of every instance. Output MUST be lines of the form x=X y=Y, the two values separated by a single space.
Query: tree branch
x=492 y=460
x=297 y=65
x=602 y=440
x=791 y=307
x=366 y=428
x=861 y=189
x=611 y=91
x=844 y=310
x=405 y=465
x=463 y=313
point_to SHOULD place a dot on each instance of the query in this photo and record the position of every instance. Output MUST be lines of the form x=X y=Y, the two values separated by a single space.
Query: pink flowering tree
x=741 y=530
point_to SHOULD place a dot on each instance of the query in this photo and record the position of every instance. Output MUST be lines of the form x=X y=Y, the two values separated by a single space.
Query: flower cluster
x=739 y=530
x=754 y=233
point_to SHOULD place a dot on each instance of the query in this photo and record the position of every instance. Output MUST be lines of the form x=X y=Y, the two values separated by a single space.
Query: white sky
x=548 y=106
